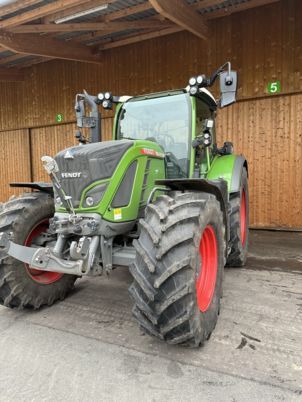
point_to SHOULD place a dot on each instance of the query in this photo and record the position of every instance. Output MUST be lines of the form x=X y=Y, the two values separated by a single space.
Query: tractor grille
x=82 y=165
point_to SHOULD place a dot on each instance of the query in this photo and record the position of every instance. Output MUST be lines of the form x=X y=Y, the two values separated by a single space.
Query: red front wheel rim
x=37 y=275
x=243 y=218
x=206 y=280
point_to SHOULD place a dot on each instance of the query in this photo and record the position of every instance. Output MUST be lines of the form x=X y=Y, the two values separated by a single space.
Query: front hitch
x=41 y=258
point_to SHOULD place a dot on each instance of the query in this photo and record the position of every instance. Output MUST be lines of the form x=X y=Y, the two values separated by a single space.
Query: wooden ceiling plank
x=48 y=47
x=11 y=74
x=181 y=14
x=90 y=26
x=39 y=12
x=76 y=9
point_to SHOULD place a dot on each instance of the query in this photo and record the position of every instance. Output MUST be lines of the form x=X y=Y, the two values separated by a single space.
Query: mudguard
x=40 y=186
x=229 y=168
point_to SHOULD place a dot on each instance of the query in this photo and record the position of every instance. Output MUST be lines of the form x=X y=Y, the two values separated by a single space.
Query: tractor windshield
x=165 y=120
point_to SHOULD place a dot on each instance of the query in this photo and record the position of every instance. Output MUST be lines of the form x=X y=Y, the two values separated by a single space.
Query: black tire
x=238 y=244
x=17 y=288
x=167 y=265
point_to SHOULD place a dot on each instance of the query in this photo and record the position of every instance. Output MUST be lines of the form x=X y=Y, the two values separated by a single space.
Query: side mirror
x=228 y=87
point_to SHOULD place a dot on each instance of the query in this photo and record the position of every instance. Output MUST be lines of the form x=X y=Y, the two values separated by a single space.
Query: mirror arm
x=218 y=71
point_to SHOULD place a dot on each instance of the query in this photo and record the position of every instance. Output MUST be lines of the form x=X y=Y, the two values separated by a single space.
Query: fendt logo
x=72 y=175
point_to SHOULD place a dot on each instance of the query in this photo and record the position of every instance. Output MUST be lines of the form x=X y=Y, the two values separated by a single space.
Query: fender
x=218 y=188
x=40 y=186
x=229 y=168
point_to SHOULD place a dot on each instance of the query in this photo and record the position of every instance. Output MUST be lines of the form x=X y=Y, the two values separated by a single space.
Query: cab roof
x=204 y=94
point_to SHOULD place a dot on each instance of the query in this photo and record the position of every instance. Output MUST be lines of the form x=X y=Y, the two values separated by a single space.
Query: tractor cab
x=172 y=120
x=163 y=118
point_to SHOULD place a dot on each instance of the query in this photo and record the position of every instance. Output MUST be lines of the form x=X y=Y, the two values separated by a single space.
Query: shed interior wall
x=264 y=45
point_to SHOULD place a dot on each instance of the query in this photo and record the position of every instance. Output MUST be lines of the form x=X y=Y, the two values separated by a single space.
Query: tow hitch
x=43 y=258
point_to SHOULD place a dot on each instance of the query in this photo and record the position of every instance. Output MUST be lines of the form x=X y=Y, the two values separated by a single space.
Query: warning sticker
x=117 y=213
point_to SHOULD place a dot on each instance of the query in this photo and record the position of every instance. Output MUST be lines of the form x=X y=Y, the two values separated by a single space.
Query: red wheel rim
x=206 y=280
x=42 y=277
x=243 y=218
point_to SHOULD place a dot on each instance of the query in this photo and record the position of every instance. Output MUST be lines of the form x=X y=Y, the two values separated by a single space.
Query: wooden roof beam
x=16 y=6
x=47 y=47
x=90 y=26
x=181 y=14
x=116 y=15
x=39 y=12
x=134 y=38
x=11 y=74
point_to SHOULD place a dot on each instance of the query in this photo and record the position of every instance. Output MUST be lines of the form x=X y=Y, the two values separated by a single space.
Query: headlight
x=89 y=201
x=94 y=196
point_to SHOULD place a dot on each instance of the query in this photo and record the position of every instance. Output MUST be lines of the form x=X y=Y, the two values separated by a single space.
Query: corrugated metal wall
x=264 y=45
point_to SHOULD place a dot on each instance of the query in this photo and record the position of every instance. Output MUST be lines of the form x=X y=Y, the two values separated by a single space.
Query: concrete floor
x=88 y=348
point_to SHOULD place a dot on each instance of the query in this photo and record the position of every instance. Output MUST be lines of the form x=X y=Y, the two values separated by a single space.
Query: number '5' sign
x=274 y=87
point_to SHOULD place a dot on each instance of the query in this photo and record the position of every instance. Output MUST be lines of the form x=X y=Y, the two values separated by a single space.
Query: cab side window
x=202 y=112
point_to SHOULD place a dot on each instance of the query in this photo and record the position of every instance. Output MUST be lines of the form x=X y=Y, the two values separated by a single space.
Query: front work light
x=192 y=81
x=101 y=96
x=193 y=90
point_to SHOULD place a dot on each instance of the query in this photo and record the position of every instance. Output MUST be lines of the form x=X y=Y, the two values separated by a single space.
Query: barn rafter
x=33 y=31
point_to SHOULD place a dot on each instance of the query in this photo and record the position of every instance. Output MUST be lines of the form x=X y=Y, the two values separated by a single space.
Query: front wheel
x=178 y=268
x=239 y=224
x=25 y=218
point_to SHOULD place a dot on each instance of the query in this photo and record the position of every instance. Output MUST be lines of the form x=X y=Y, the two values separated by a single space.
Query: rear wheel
x=239 y=223
x=26 y=219
x=178 y=268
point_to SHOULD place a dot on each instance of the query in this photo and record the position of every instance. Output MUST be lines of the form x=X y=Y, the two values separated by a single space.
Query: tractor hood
x=82 y=165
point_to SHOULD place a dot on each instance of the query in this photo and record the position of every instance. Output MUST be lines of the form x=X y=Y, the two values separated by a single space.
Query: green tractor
x=160 y=199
